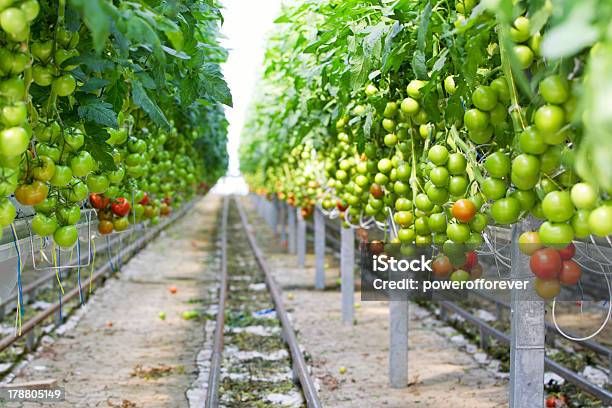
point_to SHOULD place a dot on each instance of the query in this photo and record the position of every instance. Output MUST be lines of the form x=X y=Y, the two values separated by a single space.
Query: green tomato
x=549 y=119
x=61 y=176
x=403 y=204
x=437 y=195
x=42 y=75
x=439 y=176
x=43 y=225
x=414 y=88
x=524 y=55
x=497 y=164
x=64 y=85
x=458 y=233
x=476 y=119
x=500 y=86
x=580 y=223
x=484 y=98
x=532 y=141
x=384 y=165
x=449 y=85
x=478 y=223
x=494 y=188
x=13 y=141
x=556 y=235
x=600 y=221
x=7 y=212
x=66 y=236
x=520 y=30
x=74 y=139
x=44 y=168
x=82 y=164
x=557 y=206
x=97 y=183
x=437 y=222
x=76 y=191
x=13 y=21
x=456 y=164
x=423 y=203
x=69 y=215
x=550 y=160
x=410 y=106
x=457 y=185
x=506 y=210
x=12 y=89
x=14 y=115
x=554 y=89
x=526 y=165
x=527 y=198
x=438 y=155
x=47 y=206
x=584 y=196
x=481 y=136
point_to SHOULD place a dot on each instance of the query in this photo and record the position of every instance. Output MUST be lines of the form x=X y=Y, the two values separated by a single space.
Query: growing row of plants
x=115 y=105
x=449 y=116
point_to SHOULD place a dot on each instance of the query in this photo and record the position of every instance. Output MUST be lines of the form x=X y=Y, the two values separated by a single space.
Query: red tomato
x=98 y=201
x=342 y=205
x=471 y=259
x=164 y=210
x=120 y=207
x=570 y=273
x=568 y=252
x=463 y=210
x=441 y=266
x=545 y=263
x=145 y=199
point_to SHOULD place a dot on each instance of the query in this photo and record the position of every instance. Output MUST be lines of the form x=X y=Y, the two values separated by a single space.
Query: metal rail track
x=127 y=252
x=299 y=364
x=214 y=377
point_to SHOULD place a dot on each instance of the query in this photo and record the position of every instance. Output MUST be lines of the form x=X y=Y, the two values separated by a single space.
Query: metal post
x=319 y=248
x=347 y=268
x=301 y=238
x=275 y=206
x=292 y=231
x=398 y=336
x=527 y=334
x=283 y=222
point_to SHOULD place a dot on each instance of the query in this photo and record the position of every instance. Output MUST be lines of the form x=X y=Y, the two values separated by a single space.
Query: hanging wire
x=20 y=306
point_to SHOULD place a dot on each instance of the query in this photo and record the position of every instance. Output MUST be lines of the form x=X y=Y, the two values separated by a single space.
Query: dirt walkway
x=121 y=353
x=440 y=373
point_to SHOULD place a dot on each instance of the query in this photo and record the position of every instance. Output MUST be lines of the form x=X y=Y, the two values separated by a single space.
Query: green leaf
x=140 y=32
x=99 y=112
x=418 y=65
x=93 y=84
x=214 y=84
x=95 y=143
x=142 y=99
x=423 y=27
x=97 y=17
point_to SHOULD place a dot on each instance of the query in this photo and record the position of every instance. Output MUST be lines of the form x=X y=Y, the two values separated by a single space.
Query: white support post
x=319 y=249
x=275 y=207
x=301 y=238
x=398 y=336
x=292 y=229
x=527 y=334
x=347 y=270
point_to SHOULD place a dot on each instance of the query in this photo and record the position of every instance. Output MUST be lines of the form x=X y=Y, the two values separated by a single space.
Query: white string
x=598 y=330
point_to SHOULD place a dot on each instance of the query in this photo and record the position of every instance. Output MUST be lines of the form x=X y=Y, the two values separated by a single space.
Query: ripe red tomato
x=342 y=205
x=463 y=210
x=568 y=252
x=546 y=263
x=98 y=201
x=441 y=266
x=570 y=273
x=471 y=259
x=120 y=207
x=145 y=199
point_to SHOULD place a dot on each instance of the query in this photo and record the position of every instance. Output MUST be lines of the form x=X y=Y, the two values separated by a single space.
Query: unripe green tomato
x=525 y=56
x=500 y=86
x=481 y=136
x=520 y=30
x=549 y=119
x=484 y=98
x=494 y=188
x=554 y=89
x=449 y=85
x=531 y=141
x=475 y=119
x=410 y=106
x=413 y=88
